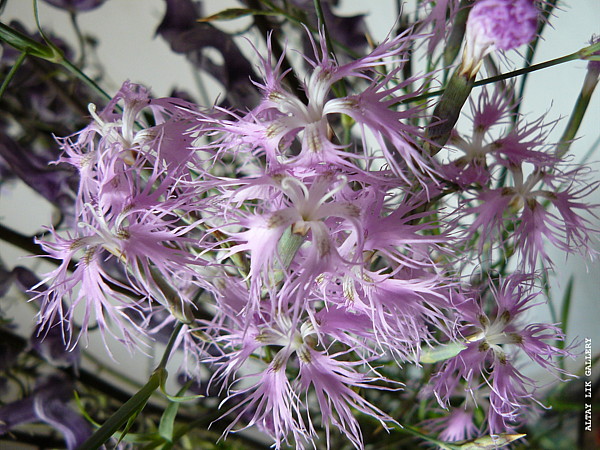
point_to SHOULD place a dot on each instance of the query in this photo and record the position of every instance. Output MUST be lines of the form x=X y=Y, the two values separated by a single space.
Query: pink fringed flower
x=275 y=403
x=283 y=122
x=130 y=236
x=535 y=226
x=307 y=208
x=492 y=341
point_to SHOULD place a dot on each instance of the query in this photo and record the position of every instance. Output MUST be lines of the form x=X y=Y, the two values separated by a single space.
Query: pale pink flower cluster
x=315 y=265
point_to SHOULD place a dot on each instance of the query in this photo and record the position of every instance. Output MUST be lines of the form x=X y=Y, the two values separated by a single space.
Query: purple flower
x=184 y=34
x=456 y=425
x=534 y=224
x=96 y=296
x=306 y=206
x=492 y=343
x=76 y=5
x=439 y=15
x=132 y=182
x=335 y=385
x=499 y=138
x=48 y=404
x=275 y=403
x=516 y=189
x=274 y=406
x=283 y=121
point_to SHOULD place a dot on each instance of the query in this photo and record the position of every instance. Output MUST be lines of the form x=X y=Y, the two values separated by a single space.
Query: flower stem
x=548 y=8
x=447 y=111
x=580 y=54
x=579 y=110
x=459 y=26
x=84 y=78
x=80 y=38
x=289 y=243
x=167 y=353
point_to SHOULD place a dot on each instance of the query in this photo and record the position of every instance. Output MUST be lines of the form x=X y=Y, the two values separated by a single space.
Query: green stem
x=289 y=243
x=80 y=40
x=447 y=111
x=181 y=310
x=548 y=293
x=84 y=78
x=167 y=353
x=580 y=54
x=12 y=72
x=458 y=31
x=549 y=7
x=65 y=62
x=321 y=23
x=415 y=432
x=49 y=52
x=579 y=110
x=26 y=44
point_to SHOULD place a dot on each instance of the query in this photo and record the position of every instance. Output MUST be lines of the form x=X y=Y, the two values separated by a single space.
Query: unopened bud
x=497 y=25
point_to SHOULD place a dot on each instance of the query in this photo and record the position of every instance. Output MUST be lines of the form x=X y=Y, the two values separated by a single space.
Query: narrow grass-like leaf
x=236 y=13
x=167 y=422
x=82 y=410
x=566 y=309
x=130 y=422
x=125 y=412
x=487 y=442
x=178 y=398
x=12 y=72
x=25 y=44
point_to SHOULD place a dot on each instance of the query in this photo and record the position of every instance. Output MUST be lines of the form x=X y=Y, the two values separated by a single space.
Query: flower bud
x=497 y=25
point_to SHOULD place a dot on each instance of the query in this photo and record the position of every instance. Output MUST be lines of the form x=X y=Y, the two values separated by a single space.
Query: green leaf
x=12 y=72
x=566 y=308
x=430 y=355
x=167 y=422
x=123 y=415
x=487 y=442
x=178 y=398
x=82 y=410
x=27 y=45
x=130 y=422
x=236 y=13
x=151 y=440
